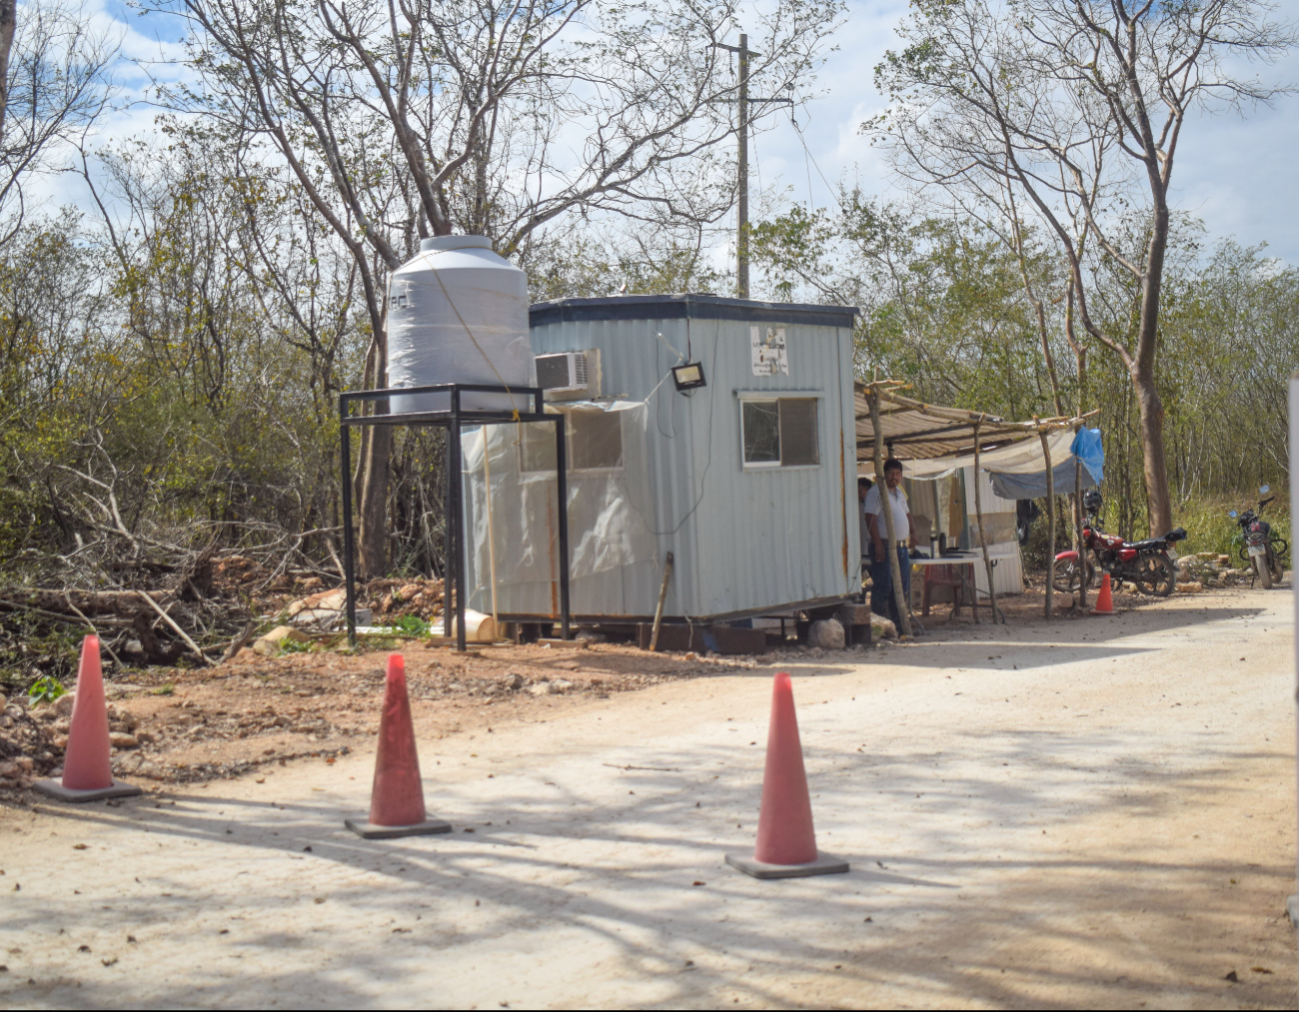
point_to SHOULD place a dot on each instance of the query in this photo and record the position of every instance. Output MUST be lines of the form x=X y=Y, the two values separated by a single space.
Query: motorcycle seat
x=1149 y=543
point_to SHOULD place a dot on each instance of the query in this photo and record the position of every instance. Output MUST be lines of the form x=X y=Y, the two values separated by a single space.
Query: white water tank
x=458 y=313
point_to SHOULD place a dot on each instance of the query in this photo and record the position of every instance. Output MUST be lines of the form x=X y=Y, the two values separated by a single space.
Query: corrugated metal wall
x=743 y=540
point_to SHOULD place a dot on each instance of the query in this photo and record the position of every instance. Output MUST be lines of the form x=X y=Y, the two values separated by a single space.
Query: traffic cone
x=397 y=798
x=1104 y=600
x=786 y=846
x=87 y=768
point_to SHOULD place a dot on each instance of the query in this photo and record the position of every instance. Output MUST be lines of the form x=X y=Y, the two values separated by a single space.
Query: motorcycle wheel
x=1156 y=575
x=1264 y=574
x=1066 y=577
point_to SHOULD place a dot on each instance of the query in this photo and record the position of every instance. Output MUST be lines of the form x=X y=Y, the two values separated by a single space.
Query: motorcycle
x=1147 y=565
x=1261 y=548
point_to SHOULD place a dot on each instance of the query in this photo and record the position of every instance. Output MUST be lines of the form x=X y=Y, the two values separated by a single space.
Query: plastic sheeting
x=1033 y=486
x=1021 y=457
x=608 y=500
x=1087 y=446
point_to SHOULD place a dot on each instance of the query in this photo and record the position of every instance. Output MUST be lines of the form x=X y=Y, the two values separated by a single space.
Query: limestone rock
x=269 y=645
x=119 y=740
x=1192 y=587
x=883 y=628
x=63 y=705
x=827 y=634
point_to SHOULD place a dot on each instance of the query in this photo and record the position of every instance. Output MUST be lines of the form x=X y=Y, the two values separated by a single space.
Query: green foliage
x=299 y=647
x=46 y=690
x=409 y=625
x=164 y=690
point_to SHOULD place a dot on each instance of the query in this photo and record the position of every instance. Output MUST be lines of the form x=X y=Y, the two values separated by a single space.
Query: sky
x=1235 y=174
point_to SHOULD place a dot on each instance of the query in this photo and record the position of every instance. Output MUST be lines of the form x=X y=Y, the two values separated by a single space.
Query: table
x=962 y=566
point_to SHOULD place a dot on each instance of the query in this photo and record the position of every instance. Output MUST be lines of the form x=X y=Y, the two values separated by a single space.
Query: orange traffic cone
x=397 y=798
x=786 y=846
x=87 y=768
x=1104 y=600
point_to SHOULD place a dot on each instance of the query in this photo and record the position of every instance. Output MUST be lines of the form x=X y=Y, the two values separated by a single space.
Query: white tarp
x=1022 y=457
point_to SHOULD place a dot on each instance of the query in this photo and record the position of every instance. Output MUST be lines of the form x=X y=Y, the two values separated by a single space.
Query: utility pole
x=742 y=162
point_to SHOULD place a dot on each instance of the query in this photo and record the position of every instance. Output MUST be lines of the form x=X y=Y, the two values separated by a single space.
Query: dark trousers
x=882 y=602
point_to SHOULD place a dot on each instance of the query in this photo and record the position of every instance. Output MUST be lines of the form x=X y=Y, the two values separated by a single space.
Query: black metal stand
x=453 y=420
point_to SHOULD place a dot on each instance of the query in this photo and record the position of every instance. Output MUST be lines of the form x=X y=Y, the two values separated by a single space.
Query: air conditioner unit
x=569 y=375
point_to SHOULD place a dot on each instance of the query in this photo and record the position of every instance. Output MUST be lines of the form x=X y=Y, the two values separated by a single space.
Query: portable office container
x=719 y=430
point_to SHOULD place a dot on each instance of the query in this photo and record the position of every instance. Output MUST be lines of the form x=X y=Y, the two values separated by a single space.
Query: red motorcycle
x=1147 y=565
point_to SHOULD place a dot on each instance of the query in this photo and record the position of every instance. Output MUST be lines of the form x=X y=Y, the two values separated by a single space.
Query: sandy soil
x=199 y=724
x=1099 y=812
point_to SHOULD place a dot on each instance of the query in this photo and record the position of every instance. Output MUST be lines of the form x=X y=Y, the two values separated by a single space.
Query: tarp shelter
x=937 y=443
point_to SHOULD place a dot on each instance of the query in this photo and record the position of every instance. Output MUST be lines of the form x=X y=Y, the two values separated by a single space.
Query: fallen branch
x=175 y=628
x=239 y=642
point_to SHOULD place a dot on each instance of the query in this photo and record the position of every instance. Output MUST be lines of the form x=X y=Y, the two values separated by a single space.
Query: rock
x=1193 y=587
x=62 y=726
x=514 y=682
x=25 y=763
x=827 y=634
x=326 y=600
x=560 y=685
x=119 y=740
x=883 y=628
x=145 y=737
x=269 y=645
x=323 y=617
x=541 y=689
x=332 y=600
x=1224 y=560
x=408 y=593
x=63 y=705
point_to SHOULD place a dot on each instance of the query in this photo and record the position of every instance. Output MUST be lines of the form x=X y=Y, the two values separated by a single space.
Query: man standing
x=882 y=602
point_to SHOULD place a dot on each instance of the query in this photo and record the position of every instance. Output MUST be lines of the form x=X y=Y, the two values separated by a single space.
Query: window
x=594 y=443
x=780 y=432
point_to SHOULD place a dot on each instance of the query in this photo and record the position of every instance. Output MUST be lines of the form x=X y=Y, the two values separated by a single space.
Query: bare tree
x=1079 y=106
x=54 y=84
x=490 y=116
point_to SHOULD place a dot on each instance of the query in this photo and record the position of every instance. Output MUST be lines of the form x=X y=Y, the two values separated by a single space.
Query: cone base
x=55 y=789
x=1093 y=611
x=825 y=864
x=369 y=831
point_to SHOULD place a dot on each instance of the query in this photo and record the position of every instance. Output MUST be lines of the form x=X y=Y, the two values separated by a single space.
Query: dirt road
x=1099 y=813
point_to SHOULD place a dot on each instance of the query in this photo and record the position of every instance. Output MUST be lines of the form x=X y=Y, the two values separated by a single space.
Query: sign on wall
x=769 y=356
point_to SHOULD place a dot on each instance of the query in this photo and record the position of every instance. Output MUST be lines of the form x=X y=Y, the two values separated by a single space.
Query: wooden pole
x=886 y=510
x=1078 y=519
x=663 y=596
x=1050 y=522
x=983 y=540
x=491 y=538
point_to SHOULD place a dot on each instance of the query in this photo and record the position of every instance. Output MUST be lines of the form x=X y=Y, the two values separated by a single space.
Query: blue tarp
x=1086 y=446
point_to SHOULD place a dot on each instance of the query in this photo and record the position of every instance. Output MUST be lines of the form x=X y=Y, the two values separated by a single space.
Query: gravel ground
x=1097 y=813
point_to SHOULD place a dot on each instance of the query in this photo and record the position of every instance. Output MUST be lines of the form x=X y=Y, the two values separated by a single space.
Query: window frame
x=775 y=396
x=569 y=413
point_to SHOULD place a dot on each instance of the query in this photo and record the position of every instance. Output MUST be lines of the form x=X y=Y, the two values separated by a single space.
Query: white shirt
x=898 y=500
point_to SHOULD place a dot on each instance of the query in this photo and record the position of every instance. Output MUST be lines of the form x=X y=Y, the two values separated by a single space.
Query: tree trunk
x=1155 y=470
x=373 y=470
x=8 y=22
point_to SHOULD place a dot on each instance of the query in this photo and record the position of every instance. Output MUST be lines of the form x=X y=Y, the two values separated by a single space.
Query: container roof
x=689 y=305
